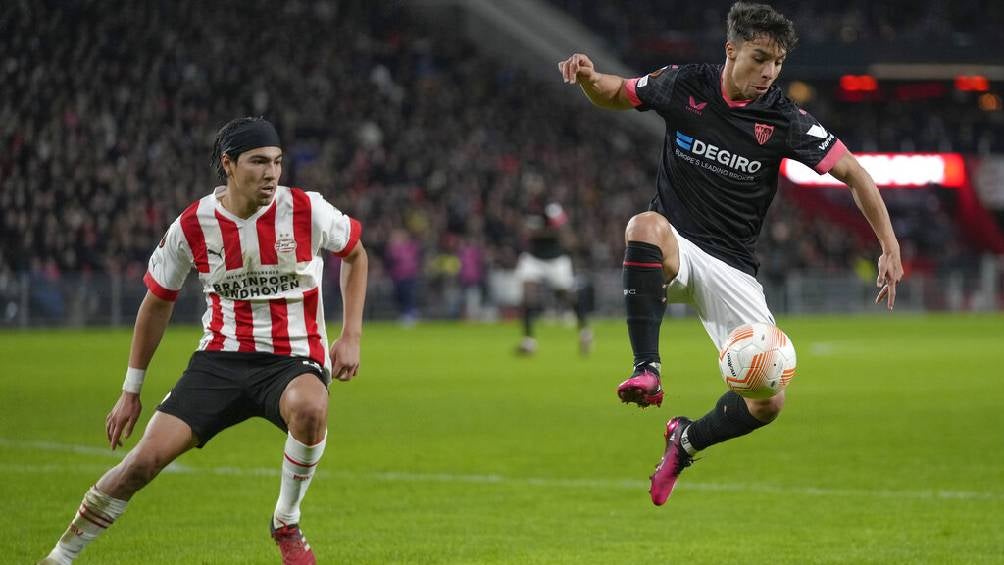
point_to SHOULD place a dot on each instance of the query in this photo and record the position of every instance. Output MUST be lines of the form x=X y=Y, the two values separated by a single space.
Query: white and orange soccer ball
x=757 y=361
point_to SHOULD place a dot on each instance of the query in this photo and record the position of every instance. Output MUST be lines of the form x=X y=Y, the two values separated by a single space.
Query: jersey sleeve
x=811 y=144
x=654 y=90
x=169 y=265
x=338 y=232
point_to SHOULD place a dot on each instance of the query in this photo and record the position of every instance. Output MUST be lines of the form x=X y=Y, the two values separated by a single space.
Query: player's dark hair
x=216 y=161
x=748 y=21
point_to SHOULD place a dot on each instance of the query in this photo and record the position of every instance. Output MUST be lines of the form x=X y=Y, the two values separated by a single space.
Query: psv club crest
x=762 y=132
x=285 y=244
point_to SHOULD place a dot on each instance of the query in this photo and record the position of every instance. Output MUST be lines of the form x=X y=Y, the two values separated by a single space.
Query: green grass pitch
x=448 y=449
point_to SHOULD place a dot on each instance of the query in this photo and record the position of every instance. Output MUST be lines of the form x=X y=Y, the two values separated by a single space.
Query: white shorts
x=724 y=297
x=556 y=273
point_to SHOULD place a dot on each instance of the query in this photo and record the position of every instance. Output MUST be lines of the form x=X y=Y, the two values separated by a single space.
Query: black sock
x=730 y=418
x=529 y=313
x=644 y=299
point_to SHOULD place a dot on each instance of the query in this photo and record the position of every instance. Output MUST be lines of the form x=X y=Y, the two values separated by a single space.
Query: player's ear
x=730 y=50
x=227 y=164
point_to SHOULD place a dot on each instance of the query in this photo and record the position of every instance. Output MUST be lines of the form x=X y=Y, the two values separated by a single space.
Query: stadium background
x=435 y=123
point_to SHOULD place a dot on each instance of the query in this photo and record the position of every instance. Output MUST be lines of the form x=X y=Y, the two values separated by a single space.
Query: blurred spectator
x=403 y=256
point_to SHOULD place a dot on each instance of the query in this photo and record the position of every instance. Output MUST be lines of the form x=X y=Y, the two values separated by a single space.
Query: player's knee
x=307 y=416
x=768 y=409
x=141 y=468
x=650 y=227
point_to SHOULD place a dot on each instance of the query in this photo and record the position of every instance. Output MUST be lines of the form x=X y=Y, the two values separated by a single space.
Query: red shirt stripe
x=302 y=224
x=216 y=324
x=193 y=235
x=280 y=326
x=244 y=319
x=159 y=291
x=266 y=237
x=310 y=320
x=355 y=231
x=231 y=242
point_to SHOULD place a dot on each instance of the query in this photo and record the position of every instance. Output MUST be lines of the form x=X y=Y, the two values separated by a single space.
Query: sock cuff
x=303 y=454
x=98 y=501
x=642 y=254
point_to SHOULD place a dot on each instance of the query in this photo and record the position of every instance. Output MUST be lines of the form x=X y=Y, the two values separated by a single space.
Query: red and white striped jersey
x=261 y=275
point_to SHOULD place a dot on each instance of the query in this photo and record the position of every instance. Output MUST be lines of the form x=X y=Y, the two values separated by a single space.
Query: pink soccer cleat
x=643 y=387
x=292 y=545
x=674 y=461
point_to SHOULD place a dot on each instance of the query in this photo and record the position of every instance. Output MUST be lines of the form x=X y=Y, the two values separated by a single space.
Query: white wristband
x=133 y=380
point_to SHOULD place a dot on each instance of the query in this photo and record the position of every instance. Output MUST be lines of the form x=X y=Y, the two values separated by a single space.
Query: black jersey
x=721 y=158
x=543 y=226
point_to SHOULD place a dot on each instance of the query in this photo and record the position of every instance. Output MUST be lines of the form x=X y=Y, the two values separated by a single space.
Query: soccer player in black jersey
x=545 y=262
x=727 y=129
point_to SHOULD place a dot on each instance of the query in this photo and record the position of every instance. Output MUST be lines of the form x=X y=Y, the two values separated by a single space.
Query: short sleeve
x=811 y=144
x=169 y=265
x=339 y=233
x=654 y=90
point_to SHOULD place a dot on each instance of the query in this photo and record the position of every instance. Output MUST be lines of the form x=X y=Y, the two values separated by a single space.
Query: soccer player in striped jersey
x=727 y=129
x=257 y=248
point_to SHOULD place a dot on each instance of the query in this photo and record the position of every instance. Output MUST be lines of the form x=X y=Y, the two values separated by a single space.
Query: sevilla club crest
x=762 y=132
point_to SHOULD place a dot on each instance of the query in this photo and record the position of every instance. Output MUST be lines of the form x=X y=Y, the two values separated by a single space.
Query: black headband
x=250 y=135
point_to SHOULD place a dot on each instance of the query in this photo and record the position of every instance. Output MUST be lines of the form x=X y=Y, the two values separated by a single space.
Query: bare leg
x=166 y=437
x=304 y=408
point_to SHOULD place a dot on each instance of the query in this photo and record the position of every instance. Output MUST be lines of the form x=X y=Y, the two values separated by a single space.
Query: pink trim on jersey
x=832 y=156
x=266 y=236
x=216 y=324
x=157 y=290
x=193 y=235
x=631 y=88
x=231 y=242
x=314 y=340
x=302 y=225
x=732 y=103
x=355 y=230
x=244 y=325
x=280 y=326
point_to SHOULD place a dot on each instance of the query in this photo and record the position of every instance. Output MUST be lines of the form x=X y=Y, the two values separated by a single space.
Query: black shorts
x=223 y=388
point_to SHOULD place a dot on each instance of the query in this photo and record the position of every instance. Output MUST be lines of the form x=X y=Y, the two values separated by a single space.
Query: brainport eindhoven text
x=252 y=286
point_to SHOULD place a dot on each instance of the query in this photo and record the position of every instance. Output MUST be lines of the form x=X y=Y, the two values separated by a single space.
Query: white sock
x=298 y=464
x=96 y=513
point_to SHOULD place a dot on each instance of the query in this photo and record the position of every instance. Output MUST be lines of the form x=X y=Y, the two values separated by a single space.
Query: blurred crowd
x=630 y=25
x=109 y=110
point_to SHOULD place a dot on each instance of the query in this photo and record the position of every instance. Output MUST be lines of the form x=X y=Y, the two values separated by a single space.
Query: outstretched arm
x=151 y=320
x=605 y=91
x=866 y=195
x=345 y=349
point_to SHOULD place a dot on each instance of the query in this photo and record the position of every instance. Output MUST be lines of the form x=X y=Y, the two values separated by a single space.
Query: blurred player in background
x=547 y=265
x=727 y=129
x=258 y=250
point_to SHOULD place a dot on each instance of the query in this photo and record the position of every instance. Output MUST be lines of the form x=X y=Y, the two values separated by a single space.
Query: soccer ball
x=758 y=360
